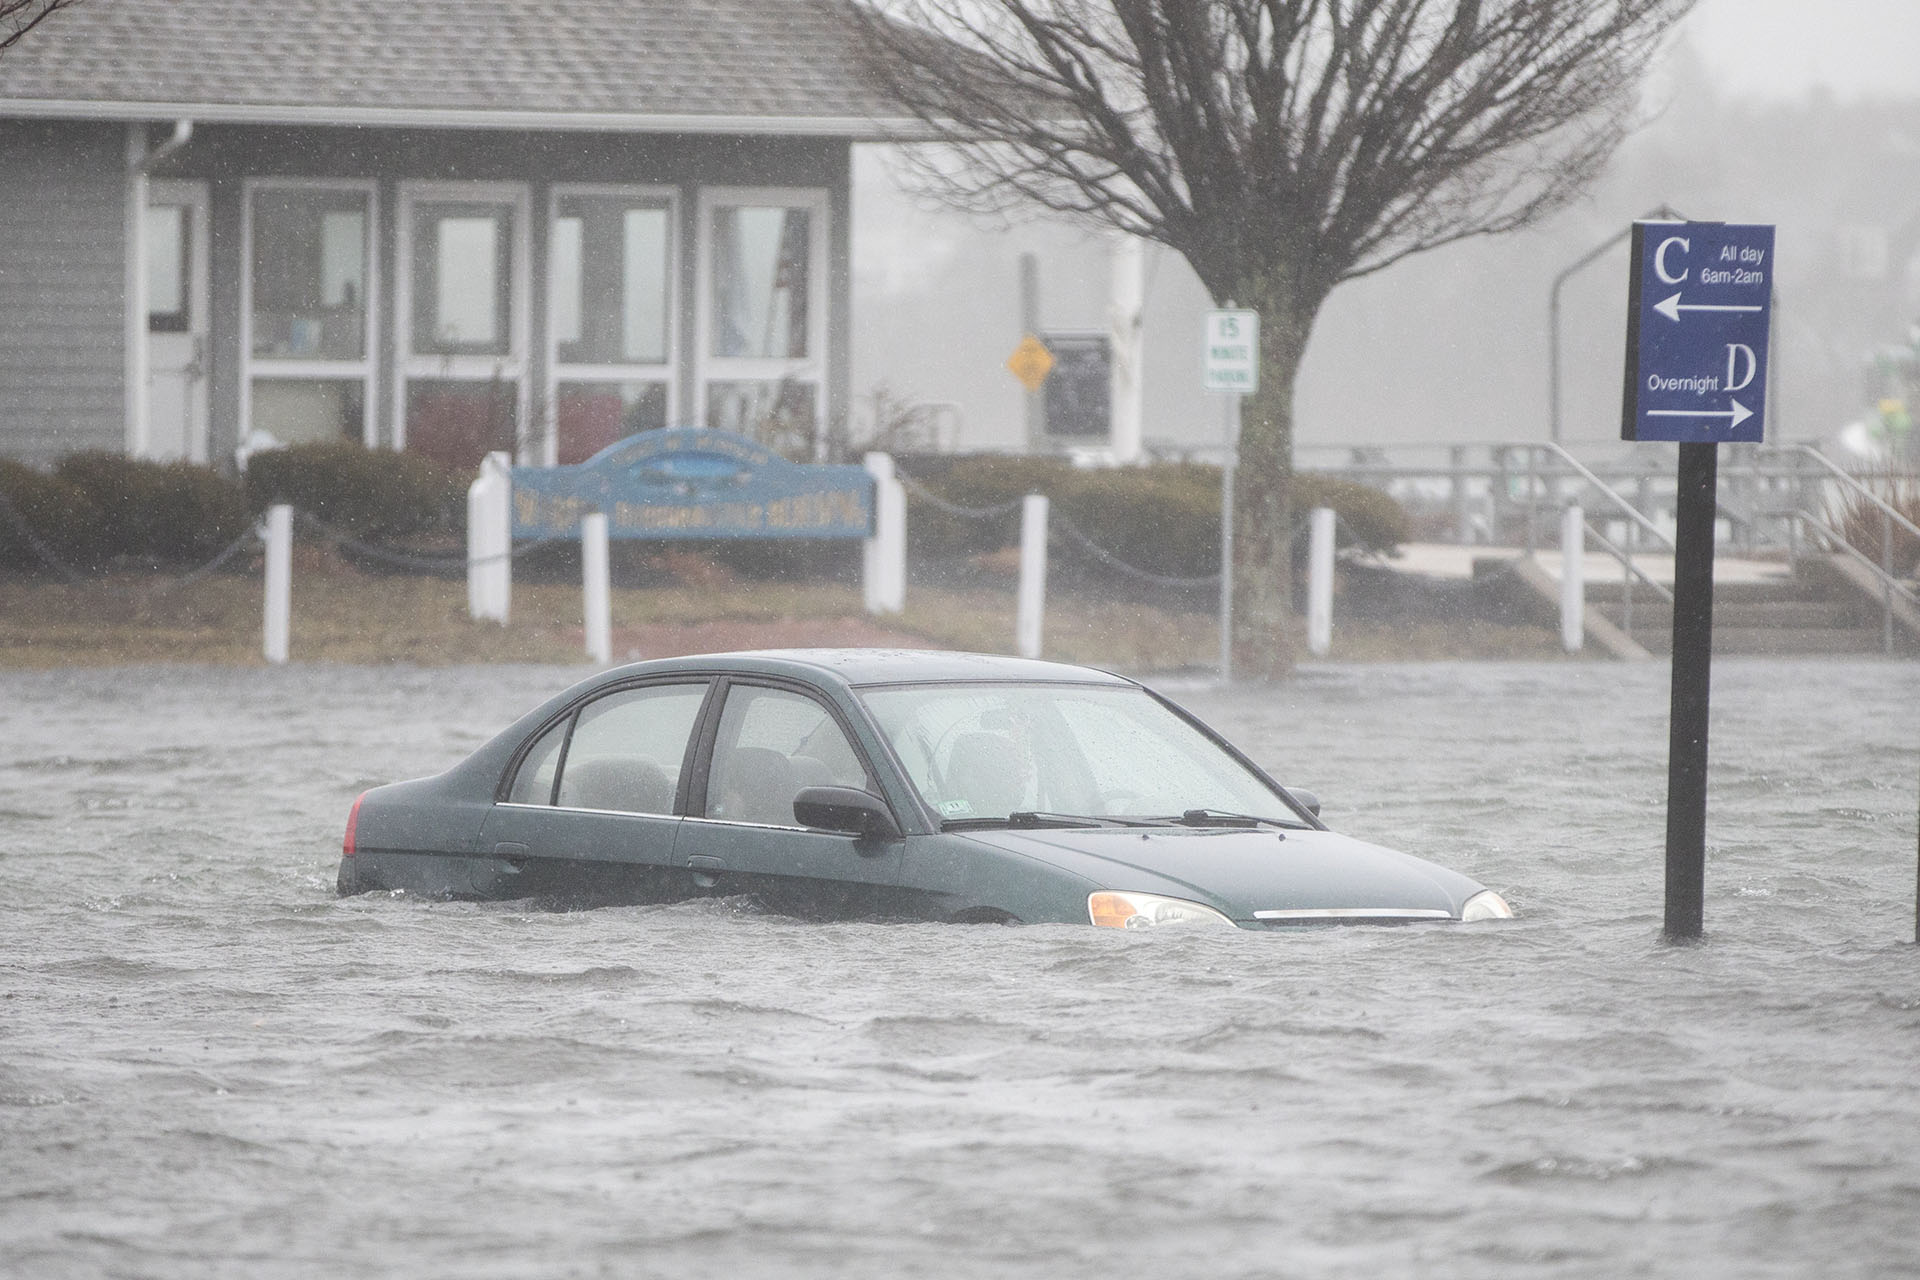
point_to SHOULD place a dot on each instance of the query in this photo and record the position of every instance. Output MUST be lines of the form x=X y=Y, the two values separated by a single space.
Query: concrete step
x=1763 y=591
x=1770 y=641
x=1791 y=614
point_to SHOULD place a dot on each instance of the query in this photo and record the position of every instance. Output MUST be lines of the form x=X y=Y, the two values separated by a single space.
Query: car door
x=764 y=745
x=592 y=808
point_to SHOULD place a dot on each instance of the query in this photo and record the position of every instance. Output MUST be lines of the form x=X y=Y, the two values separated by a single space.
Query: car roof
x=856 y=667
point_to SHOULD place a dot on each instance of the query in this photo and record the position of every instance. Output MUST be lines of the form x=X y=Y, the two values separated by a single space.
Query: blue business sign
x=1698 y=310
x=688 y=482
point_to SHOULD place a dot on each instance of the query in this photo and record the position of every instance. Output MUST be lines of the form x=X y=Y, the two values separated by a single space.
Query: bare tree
x=1281 y=146
x=17 y=17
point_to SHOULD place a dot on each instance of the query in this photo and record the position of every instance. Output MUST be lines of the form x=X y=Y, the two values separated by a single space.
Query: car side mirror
x=1306 y=799
x=847 y=810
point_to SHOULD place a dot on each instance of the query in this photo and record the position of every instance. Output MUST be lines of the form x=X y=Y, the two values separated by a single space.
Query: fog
x=1795 y=112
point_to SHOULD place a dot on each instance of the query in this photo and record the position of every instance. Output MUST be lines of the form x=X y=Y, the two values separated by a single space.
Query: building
x=447 y=226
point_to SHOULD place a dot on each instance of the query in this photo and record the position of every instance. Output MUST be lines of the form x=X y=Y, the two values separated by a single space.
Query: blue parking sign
x=1698 y=311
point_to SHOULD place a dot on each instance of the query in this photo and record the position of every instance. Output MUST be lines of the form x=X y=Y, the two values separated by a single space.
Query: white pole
x=884 y=557
x=1226 y=538
x=1320 y=583
x=490 y=540
x=279 y=603
x=1033 y=575
x=1127 y=265
x=1573 y=586
x=597 y=584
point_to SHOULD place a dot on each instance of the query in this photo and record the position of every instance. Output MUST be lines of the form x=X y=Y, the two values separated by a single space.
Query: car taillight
x=353 y=822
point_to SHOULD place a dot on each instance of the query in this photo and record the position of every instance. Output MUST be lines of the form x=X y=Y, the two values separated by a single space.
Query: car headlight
x=1486 y=905
x=1113 y=910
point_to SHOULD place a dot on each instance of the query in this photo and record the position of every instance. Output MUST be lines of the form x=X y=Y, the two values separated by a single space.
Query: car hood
x=1245 y=872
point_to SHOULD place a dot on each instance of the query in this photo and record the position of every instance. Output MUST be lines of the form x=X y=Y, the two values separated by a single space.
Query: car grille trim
x=1303 y=914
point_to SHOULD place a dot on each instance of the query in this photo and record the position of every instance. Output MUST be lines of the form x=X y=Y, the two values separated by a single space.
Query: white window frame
x=408 y=365
x=666 y=372
x=252 y=366
x=709 y=368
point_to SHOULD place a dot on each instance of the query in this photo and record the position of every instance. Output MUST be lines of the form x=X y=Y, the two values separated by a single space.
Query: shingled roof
x=752 y=66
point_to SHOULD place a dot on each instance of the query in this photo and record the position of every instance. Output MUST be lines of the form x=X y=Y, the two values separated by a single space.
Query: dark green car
x=890 y=785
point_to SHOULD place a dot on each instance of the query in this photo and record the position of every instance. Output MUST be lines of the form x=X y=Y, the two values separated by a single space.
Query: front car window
x=771 y=743
x=979 y=751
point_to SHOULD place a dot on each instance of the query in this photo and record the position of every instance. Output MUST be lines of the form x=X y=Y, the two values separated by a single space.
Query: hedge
x=55 y=512
x=368 y=493
x=1163 y=518
x=152 y=513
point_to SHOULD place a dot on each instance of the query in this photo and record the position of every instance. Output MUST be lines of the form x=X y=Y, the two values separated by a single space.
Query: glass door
x=463 y=320
x=176 y=287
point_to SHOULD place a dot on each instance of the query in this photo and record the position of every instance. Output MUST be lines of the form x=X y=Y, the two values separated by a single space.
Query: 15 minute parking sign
x=1698 y=308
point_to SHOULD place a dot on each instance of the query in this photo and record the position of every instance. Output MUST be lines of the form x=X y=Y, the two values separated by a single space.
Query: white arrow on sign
x=1739 y=413
x=1672 y=307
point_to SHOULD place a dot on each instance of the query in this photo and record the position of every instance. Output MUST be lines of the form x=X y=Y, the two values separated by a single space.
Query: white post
x=490 y=540
x=1227 y=468
x=597 y=584
x=1032 y=606
x=1127 y=264
x=884 y=557
x=1573 y=585
x=1320 y=583
x=279 y=606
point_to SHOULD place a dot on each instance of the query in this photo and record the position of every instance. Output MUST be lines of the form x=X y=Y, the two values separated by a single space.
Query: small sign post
x=1229 y=362
x=1698 y=312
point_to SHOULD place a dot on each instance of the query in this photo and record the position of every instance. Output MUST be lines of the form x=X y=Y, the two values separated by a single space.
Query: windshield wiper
x=1028 y=819
x=1228 y=818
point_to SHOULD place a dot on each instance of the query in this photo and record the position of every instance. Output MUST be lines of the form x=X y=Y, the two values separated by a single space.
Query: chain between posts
x=53 y=560
x=939 y=503
x=415 y=560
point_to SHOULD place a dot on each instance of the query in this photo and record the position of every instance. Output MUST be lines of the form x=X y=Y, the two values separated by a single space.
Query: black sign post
x=1699 y=305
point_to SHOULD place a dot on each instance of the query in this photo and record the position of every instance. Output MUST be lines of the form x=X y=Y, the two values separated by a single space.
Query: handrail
x=1626 y=562
x=1631 y=511
x=1887 y=580
x=1851 y=481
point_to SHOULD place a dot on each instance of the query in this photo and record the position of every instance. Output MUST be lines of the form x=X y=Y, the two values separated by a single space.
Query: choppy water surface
x=211 y=1066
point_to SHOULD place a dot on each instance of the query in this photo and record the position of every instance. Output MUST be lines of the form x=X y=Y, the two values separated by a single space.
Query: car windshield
x=982 y=752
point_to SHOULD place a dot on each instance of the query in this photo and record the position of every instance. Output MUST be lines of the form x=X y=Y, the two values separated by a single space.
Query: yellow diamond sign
x=1031 y=362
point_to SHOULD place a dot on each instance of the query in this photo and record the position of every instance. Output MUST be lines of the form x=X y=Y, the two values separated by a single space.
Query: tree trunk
x=1264 y=627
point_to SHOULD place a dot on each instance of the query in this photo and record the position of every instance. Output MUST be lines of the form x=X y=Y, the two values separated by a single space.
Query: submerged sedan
x=885 y=784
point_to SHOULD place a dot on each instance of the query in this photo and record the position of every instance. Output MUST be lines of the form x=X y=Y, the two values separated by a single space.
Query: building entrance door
x=176 y=244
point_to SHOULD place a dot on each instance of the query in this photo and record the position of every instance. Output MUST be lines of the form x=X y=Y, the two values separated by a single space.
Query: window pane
x=567 y=310
x=761 y=265
x=779 y=414
x=462 y=272
x=457 y=423
x=309 y=274
x=592 y=415
x=534 y=783
x=610 y=269
x=772 y=743
x=627 y=747
x=293 y=410
x=168 y=227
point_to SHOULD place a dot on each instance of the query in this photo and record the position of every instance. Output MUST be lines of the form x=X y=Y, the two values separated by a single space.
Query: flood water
x=210 y=1066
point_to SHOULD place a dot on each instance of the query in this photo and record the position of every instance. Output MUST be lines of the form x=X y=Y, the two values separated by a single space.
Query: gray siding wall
x=62 y=288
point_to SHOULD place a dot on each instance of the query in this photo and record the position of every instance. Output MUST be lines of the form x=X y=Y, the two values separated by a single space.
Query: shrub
x=368 y=493
x=1163 y=518
x=1865 y=525
x=54 y=512
x=155 y=512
